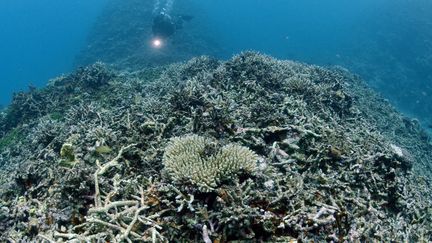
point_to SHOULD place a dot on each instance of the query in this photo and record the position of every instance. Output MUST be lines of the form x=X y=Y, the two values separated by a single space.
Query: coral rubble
x=252 y=148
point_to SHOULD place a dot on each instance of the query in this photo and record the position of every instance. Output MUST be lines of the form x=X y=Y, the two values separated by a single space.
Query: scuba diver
x=164 y=25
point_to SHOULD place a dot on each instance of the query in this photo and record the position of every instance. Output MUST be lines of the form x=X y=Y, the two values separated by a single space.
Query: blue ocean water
x=308 y=30
x=39 y=39
x=387 y=42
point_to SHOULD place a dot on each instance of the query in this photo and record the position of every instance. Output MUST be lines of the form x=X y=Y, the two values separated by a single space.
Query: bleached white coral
x=397 y=150
x=200 y=161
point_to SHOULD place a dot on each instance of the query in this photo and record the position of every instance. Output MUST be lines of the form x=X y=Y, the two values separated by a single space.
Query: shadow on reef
x=252 y=148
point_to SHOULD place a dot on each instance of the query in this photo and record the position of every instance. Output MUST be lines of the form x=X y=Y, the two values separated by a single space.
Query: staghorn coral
x=330 y=159
x=198 y=160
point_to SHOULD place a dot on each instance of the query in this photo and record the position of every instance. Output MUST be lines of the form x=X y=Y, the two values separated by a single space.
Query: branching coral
x=199 y=161
x=337 y=163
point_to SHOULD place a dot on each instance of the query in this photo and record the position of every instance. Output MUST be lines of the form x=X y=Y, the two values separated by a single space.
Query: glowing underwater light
x=157 y=43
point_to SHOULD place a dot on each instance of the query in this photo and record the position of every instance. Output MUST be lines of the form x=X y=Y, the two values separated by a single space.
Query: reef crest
x=280 y=151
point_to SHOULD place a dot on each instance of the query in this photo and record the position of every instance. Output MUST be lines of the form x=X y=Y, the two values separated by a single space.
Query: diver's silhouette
x=163 y=26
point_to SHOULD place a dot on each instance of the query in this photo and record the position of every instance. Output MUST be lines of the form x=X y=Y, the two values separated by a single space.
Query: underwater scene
x=216 y=121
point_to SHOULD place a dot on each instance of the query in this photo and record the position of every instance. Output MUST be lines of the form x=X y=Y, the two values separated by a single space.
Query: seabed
x=250 y=149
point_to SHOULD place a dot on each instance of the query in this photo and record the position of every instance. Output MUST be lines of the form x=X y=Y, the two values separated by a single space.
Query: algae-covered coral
x=328 y=160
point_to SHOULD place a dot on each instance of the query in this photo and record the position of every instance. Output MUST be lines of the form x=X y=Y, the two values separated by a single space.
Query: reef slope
x=296 y=152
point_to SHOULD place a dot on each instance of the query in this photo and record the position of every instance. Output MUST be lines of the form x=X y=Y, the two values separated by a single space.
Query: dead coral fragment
x=199 y=161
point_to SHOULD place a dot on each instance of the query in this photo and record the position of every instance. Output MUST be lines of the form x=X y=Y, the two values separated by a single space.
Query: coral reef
x=197 y=160
x=315 y=155
x=397 y=61
x=60 y=93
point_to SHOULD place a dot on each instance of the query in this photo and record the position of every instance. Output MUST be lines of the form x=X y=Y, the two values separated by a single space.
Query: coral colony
x=249 y=149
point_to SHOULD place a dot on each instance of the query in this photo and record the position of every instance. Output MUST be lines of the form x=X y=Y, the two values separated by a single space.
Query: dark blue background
x=39 y=39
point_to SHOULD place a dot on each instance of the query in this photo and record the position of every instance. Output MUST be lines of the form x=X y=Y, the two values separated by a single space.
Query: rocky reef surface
x=253 y=149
